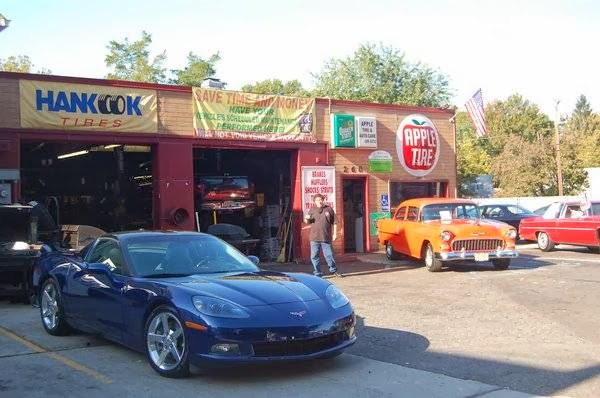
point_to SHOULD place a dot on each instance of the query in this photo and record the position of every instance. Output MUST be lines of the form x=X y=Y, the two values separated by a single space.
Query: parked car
x=439 y=231
x=190 y=298
x=224 y=193
x=507 y=213
x=567 y=222
x=24 y=229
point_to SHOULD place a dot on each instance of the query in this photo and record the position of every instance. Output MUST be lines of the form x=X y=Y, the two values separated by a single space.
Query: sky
x=543 y=50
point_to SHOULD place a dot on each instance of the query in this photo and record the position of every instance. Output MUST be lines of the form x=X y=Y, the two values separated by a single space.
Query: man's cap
x=318 y=196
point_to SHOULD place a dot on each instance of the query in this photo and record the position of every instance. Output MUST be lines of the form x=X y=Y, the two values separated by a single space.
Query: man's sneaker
x=336 y=273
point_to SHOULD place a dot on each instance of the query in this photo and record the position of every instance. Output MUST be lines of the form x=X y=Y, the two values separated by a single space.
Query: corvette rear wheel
x=433 y=264
x=390 y=253
x=166 y=345
x=51 y=309
x=544 y=242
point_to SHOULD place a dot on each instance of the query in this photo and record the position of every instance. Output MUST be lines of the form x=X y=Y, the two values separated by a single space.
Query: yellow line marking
x=57 y=357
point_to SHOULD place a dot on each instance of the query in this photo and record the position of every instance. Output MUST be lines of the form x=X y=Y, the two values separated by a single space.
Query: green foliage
x=515 y=117
x=472 y=158
x=276 y=86
x=131 y=61
x=20 y=63
x=196 y=71
x=582 y=132
x=519 y=151
x=382 y=74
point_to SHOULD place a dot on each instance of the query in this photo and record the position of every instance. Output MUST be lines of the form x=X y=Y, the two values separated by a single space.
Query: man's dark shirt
x=321 y=220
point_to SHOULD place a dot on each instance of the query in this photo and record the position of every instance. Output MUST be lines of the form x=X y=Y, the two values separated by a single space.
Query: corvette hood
x=250 y=288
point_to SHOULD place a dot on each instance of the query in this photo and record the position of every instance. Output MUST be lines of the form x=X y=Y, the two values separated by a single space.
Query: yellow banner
x=63 y=106
x=234 y=115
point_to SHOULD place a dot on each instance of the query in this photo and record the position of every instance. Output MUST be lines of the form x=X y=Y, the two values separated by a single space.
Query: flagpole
x=558 y=163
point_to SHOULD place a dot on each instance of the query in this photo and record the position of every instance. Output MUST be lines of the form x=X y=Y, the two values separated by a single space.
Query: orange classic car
x=440 y=230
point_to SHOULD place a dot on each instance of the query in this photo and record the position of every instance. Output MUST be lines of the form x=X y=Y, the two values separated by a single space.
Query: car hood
x=471 y=228
x=249 y=288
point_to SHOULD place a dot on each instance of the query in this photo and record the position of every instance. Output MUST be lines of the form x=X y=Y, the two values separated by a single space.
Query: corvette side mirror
x=255 y=260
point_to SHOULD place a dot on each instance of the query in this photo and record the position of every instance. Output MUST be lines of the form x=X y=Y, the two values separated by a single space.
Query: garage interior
x=107 y=186
x=255 y=215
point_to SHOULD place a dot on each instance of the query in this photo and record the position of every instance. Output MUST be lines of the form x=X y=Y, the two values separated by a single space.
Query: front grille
x=476 y=245
x=298 y=347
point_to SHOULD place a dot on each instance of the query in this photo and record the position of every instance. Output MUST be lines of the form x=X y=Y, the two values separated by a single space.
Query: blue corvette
x=189 y=298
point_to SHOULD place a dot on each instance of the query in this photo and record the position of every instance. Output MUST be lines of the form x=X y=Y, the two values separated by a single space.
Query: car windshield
x=448 y=211
x=595 y=209
x=181 y=255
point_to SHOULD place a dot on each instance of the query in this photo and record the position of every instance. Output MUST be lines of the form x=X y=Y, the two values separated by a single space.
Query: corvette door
x=99 y=286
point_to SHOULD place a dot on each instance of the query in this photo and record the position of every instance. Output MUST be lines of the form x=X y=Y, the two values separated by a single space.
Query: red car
x=564 y=223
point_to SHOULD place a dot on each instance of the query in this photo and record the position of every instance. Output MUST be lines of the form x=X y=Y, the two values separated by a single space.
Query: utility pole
x=558 y=164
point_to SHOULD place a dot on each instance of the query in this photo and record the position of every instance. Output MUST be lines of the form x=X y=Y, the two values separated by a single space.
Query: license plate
x=228 y=204
x=482 y=257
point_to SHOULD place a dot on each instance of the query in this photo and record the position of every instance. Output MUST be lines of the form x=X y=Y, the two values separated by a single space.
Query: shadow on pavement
x=411 y=350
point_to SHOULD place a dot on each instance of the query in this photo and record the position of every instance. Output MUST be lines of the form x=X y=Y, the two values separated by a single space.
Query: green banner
x=343 y=131
x=373 y=218
x=235 y=115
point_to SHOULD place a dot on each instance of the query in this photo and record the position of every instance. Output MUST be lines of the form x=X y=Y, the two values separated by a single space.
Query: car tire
x=51 y=309
x=168 y=355
x=431 y=263
x=390 y=253
x=544 y=242
x=501 y=264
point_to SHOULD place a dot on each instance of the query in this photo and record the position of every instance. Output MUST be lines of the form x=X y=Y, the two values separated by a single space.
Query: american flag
x=475 y=108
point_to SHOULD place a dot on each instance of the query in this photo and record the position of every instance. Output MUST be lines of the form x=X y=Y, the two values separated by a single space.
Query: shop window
x=401 y=191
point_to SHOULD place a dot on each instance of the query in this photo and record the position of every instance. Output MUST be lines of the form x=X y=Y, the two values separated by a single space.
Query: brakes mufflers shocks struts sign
x=418 y=145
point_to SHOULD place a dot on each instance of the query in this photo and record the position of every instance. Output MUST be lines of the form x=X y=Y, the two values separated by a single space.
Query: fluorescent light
x=72 y=154
x=142 y=177
x=111 y=146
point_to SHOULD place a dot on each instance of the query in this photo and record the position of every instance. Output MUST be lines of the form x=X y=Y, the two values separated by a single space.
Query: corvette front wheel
x=166 y=345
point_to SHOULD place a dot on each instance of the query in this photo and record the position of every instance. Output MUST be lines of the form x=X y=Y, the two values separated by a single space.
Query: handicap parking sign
x=385 y=202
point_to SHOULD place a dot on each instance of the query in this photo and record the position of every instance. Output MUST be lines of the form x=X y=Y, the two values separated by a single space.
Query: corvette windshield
x=181 y=255
x=448 y=211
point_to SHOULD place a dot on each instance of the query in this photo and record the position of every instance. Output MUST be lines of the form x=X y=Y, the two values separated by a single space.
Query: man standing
x=322 y=220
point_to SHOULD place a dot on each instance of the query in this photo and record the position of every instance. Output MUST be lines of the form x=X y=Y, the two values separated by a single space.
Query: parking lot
x=468 y=331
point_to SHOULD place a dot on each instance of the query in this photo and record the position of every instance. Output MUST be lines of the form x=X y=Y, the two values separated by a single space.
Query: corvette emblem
x=478 y=233
x=298 y=313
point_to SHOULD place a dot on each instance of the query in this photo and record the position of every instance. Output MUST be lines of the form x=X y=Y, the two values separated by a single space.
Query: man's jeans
x=315 y=258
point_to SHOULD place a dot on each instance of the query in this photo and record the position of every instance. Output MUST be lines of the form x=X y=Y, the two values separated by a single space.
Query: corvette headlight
x=219 y=308
x=335 y=297
x=511 y=233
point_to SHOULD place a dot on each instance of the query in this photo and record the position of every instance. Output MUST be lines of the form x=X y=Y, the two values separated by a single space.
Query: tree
x=521 y=142
x=131 y=61
x=196 y=70
x=515 y=117
x=382 y=74
x=472 y=159
x=276 y=86
x=20 y=63
x=582 y=133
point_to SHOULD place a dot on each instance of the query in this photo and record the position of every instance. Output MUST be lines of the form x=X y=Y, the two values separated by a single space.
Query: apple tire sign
x=418 y=145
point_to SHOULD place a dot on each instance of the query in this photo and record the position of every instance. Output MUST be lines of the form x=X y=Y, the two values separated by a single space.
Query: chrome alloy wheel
x=49 y=306
x=428 y=256
x=543 y=240
x=165 y=340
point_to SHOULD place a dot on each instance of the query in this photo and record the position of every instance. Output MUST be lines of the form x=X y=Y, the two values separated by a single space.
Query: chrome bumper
x=461 y=256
